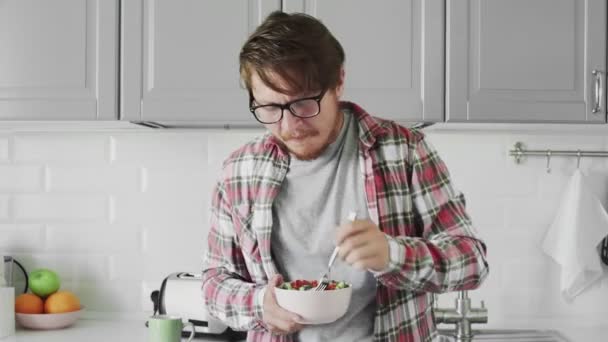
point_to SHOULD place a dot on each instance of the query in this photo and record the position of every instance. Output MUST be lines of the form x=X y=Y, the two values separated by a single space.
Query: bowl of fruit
x=315 y=307
x=46 y=307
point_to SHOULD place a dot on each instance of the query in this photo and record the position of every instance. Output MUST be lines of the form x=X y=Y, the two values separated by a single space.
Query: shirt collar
x=369 y=127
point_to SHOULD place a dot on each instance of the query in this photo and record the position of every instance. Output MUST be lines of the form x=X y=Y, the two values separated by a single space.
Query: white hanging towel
x=572 y=239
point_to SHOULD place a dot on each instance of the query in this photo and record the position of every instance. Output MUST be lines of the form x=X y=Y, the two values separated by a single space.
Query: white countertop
x=590 y=329
x=103 y=330
x=590 y=334
x=93 y=330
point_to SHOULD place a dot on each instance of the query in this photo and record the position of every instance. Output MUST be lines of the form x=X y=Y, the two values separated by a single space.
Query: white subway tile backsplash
x=520 y=301
x=76 y=148
x=92 y=238
x=530 y=212
x=480 y=166
x=143 y=179
x=486 y=215
x=21 y=178
x=61 y=207
x=128 y=266
x=115 y=213
x=21 y=237
x=4 y=207
x=111 y=296
x=176 y=179
x=161 y=147
x=102 y=179
x=91 y=268
x=484 y=147
x=515 y=246
x=189 y=240
x=167 y=209
x=517 y=181
x=531 y=273
x=175 y=248
x=4 y=149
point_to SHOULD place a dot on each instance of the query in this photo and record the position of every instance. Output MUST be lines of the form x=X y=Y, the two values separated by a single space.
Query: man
x=281 y=203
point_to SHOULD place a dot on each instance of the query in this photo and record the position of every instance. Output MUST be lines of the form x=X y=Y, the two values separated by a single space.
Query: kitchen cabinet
x=394 y=53
x=58 y=59
x=176 y=61
x=526 y=61
x=179 y=59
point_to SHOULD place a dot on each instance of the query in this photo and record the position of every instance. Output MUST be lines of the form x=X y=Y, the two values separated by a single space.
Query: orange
x=61 y=301
x=29 y=303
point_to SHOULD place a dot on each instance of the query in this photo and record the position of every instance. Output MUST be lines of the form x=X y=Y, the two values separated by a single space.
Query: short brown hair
x=298 y=49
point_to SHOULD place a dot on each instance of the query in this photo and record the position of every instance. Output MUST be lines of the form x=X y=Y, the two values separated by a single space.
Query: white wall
x=512 y=206
x=115 y=212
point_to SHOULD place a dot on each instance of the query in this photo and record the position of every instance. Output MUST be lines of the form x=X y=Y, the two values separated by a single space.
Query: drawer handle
x=598 y=90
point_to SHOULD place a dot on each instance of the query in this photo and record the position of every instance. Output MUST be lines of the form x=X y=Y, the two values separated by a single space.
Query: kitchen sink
x=508 y=335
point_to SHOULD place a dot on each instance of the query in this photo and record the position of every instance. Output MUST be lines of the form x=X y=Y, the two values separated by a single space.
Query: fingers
x=353 y=236
x=363 y=250
x=277 y=319
x=284 y=315
x=363 y=245
x=351 y=228
x=276 y=280
x=281 y=321
x=275 y=330
x=283 y=329
x=282 y=325
x=353 y=244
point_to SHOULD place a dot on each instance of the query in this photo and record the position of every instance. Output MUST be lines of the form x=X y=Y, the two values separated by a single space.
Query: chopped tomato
x=305 y=285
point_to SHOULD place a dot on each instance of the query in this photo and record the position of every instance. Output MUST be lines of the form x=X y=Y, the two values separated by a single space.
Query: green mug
x=164 y=328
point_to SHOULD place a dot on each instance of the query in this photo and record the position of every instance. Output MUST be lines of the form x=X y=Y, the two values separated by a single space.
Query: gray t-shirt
x=315 y=198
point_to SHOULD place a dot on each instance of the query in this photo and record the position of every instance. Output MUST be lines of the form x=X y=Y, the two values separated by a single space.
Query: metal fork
x=324 y=280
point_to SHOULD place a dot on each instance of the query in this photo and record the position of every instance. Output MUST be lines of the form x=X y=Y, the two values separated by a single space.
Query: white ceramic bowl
x=315 y=307
x=48 y=321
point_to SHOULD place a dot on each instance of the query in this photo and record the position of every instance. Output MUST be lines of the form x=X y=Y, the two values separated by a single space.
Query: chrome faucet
x=462 y=316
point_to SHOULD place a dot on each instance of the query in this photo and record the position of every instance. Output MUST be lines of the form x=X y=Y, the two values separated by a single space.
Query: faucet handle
x=483 y=305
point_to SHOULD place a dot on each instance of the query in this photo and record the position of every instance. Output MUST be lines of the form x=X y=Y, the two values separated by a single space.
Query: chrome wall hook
x=519 y=153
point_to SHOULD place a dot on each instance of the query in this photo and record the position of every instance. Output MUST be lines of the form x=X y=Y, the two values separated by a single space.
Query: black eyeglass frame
x=287 y=106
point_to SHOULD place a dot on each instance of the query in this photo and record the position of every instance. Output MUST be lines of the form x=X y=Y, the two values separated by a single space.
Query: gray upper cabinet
x=179 y=59
x=58 y=59
x=526 y=60
x=176 y=61
x=394 y=53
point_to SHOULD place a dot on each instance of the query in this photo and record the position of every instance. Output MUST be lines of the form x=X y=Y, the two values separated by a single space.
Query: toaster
x=180 y=295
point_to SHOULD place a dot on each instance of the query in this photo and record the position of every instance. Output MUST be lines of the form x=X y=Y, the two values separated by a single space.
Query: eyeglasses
x=306 y=107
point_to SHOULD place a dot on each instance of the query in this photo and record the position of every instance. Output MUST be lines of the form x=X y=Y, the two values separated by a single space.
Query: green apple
x=43 y=282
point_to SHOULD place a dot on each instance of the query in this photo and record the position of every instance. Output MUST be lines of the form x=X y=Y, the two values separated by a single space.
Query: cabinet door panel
x=394 y=53
x=180 y=59
x=58 y=59
x=524 y=60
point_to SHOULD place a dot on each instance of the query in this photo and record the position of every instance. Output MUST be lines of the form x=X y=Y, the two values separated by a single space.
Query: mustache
x=298 y=134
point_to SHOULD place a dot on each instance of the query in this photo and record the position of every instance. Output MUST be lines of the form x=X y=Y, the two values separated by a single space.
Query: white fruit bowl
x=315 y=307
x=48 y=321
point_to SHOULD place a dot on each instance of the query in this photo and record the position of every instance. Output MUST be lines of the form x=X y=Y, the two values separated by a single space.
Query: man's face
x=306 y=138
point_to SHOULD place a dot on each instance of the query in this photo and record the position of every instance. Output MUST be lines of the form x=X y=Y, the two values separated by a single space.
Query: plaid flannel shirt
x=433 y=246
